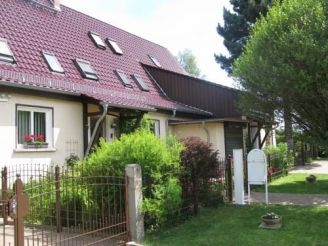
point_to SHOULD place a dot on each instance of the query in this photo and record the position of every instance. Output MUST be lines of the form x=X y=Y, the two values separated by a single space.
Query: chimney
x=56 y=4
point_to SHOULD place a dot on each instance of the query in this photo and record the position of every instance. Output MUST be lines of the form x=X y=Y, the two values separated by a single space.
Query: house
x=69 y=79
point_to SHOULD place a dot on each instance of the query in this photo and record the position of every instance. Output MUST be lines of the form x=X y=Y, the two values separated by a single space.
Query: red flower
x=40 y=138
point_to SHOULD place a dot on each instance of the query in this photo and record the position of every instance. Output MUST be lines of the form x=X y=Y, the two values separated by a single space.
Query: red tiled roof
x=30 y=30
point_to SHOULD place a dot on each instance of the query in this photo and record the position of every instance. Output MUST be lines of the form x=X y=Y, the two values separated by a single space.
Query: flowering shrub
x=31 y=138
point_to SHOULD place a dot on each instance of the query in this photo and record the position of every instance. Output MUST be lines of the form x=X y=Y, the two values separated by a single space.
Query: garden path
x=314 y=167
x=291 y=199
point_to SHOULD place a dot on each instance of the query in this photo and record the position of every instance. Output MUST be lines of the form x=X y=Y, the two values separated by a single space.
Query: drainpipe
x=207 y=132
x=99 y=121
x=174 y=112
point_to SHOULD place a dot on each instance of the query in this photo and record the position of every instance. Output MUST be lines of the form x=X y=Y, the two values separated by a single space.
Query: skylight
x=122 y=76
x=5 y=52
x=52 y=62
x=86 y=70
x=114 y=46
x=141 y=82
x=97 y=40
x=155 y=61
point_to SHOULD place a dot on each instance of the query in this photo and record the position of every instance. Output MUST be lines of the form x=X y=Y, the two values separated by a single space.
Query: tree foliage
x=284 y=64
x=189 y=62
x=236 y=28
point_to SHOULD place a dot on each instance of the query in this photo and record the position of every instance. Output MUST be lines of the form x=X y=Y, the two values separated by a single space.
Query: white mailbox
x=257 y=171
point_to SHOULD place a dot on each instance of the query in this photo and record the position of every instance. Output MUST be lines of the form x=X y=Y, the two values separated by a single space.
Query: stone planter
x=35 y=145
x=271 y=222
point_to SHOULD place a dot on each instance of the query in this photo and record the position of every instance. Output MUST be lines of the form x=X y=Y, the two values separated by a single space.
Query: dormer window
x=155 y=61
x=52 y=62
x=6 y=54
x=122 y=76
x=141 y=82
x=97 y=40
x=85 y=69
x=114 y=46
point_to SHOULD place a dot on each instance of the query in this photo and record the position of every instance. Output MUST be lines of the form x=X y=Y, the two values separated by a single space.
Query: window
x=122 y=76
x=34 y=121
x=5 y=52
x=155 y=127
x=141 y=82
x=155 y=61
x=86 y=70
x=97 y=40
x=114 y=46
x=52 y=62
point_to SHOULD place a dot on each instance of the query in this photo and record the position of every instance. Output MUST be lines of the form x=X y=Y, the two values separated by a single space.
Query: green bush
x=279 y=156
x=159 y=160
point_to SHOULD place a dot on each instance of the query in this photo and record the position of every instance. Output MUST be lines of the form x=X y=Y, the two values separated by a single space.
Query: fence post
x=58 y=205
x=135 y=221
x=269 y=164
x=20 y=209
x=229 y=178
x=4 y=191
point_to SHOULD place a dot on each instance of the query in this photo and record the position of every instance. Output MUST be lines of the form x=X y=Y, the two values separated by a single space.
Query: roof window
x=155 y=61
x=122 y=76
x=141 y=82
x=85 y=69
x=97 y=40
x=6 y=54
x=114 y=46
x=52 y=62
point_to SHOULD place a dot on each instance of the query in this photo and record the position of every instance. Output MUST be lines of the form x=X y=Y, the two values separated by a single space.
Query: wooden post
x=4 y=181
x=20 y=207
x=229 y=178
x=58 y=205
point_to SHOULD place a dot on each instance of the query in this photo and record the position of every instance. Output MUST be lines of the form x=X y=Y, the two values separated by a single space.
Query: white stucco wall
x=67 y=132
x=216 y=132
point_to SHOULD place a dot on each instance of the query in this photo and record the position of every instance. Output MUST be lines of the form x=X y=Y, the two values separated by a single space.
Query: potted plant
x=271 y=219
x=32 y=141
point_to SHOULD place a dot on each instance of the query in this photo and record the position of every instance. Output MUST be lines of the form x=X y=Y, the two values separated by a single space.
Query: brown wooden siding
x=219 y=100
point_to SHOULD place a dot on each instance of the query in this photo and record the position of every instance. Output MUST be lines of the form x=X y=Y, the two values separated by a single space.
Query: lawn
x=235 y=225
x=295 y=183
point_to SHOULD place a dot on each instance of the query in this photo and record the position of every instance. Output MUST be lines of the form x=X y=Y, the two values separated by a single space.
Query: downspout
x=207 y=132
x=99 y=121
x=174 y=112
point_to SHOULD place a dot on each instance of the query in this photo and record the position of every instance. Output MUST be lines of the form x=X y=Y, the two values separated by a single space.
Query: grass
x=295 y=183
x=235 y=225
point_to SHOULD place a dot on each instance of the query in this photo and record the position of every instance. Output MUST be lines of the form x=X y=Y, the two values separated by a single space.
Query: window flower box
x=34 y=142
x=35 y=145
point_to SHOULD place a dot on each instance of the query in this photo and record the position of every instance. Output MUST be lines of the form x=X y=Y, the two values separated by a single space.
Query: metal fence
x=65 y=207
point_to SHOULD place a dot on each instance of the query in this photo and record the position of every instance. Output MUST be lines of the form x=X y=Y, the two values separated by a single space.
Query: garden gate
x=61 y=206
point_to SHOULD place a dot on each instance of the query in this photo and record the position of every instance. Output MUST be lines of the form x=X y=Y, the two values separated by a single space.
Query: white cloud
x=175 y=24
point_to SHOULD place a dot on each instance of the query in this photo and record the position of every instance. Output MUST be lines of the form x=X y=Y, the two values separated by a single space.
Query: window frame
x=139 y=80
x=157 y=127
x=49 y=111
x=112 y=47
x=118 y=73
x=44 y=53
x=85 y=74
x=155 y=60
x=94 y=40
x=11 y=56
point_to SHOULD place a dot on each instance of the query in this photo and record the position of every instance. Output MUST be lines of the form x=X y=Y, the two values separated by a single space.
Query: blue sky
x=175 y=24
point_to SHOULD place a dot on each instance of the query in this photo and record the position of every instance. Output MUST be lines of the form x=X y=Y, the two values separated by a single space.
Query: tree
x=189 y=62
x=237 y=26
x=284 y=65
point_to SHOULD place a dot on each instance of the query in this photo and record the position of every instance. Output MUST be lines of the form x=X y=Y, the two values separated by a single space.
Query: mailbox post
x=257 y=171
